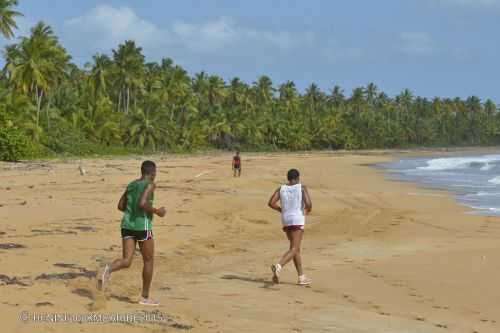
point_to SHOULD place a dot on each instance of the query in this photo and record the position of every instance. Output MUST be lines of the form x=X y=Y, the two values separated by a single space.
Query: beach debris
x=10 y=246
x=7 y=188
x=181 y=326
x=83 y=272
x=24 y=203
x=82 y=170
x=31 y=186
x=441 y=325
x=85 y=228
x=67 y=275
x=42 y=232
x=64 y=265
x=5 y=280
x=44 y=304
x=201 y=174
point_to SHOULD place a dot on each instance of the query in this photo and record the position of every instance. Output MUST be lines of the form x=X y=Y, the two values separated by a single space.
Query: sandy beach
x=384 y=256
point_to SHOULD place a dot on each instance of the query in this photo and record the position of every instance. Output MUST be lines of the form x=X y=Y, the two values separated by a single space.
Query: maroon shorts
x=293 y=228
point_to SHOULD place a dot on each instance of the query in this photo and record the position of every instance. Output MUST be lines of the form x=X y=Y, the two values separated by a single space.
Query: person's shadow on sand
x=266 y=283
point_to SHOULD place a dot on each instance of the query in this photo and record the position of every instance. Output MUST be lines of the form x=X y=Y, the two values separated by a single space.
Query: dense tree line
x=120 y=101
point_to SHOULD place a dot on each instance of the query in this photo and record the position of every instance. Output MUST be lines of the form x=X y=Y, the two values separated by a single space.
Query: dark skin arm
x=122 y=204
x=144 y=204
x=306 y=198
x=273 y=201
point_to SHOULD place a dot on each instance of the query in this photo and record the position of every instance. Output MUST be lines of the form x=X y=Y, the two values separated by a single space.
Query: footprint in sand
x=349 y=298
x=83 y=292
x=441 y=325
x=375 y=306
x=124 y=299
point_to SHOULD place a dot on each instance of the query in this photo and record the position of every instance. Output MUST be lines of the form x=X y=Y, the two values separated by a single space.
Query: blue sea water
x=474 y=179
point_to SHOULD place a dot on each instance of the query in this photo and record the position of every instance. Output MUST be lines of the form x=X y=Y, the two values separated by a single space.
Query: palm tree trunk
x=119 y=100
x=128 y=100
x=48 y=113
x=39 y=97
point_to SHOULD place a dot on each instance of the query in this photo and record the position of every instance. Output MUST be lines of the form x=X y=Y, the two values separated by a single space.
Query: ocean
x=473 y=179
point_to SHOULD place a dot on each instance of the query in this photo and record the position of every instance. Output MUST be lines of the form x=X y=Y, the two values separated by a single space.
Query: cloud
x=104 y=27
x=209 y=36
x=416 y=43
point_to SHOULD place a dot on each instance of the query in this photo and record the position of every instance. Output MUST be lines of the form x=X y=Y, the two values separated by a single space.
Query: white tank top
x=292 y=208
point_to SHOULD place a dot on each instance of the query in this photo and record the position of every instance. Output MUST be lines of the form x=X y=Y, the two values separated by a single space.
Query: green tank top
x=134 y=218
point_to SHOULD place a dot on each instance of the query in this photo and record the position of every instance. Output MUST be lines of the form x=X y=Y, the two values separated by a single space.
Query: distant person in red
x=237 y=164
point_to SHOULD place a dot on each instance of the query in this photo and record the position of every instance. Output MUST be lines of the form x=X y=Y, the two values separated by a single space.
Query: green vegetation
x=122 y=103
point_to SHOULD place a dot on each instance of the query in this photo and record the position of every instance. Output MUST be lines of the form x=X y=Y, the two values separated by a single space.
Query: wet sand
x=384 y=256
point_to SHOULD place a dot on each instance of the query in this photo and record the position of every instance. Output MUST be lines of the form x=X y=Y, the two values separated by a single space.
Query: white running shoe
x=304 y=280
x=276 y=269
x=148 y=301
x=104 y=278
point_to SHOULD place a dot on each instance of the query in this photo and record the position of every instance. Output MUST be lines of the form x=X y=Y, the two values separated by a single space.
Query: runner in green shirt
x=137 y=207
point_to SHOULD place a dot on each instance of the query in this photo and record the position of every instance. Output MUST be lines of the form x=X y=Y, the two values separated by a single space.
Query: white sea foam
x=453 y=163
x=487 y=167
x=473 y=186
x=488 y=194
x=495 y=180
x=482 y=208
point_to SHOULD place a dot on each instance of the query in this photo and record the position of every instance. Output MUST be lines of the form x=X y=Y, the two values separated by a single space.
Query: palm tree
x=7 y=15
x=37 y=63
x=371 y=92
x=144 y=130
x=128 y=73
x=216 y=90
x=473 y=106
x=99 y=73
x=337 y=96
x=264 y=90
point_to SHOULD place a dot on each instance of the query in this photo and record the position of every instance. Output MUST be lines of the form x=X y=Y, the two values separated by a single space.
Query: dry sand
x=384 y=256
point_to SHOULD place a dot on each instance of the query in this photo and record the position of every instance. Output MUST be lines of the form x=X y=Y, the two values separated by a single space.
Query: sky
x=443 y=48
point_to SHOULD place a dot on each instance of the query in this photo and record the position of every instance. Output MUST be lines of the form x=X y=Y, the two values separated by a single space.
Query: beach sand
x=384 y=256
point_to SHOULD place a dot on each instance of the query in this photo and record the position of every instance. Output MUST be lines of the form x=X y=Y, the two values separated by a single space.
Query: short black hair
x=293 y=174
x=148 y=167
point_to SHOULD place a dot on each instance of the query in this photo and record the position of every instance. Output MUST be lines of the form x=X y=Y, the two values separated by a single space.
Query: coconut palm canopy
x=122 y=100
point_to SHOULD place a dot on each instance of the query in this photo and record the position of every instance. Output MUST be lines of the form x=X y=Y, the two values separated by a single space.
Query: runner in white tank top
x=294 y=199
x=292 y=205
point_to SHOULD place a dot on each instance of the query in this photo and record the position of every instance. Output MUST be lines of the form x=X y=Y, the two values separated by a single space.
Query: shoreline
x=381 y=259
